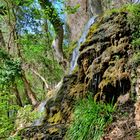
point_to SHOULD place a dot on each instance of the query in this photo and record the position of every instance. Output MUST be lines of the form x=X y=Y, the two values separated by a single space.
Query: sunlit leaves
x=133 y=19
x=9 y=70
x=7 y=114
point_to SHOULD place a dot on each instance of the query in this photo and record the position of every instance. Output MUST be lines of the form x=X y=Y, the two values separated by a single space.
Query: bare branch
x=41 y=77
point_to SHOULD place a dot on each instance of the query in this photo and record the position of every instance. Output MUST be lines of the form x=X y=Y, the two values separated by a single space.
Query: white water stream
x=75 y=53
x=41 y=109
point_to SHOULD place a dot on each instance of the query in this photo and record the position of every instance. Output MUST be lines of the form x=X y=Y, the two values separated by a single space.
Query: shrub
x=90 y=119
x=26 y=116
x=7 y=114
x=133 y=19
x=135 y=60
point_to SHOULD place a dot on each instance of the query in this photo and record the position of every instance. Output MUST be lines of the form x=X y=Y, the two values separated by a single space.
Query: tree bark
x=53 y=17
x=41 y=77
x=19 y=102
x=31 y=95
x=2 y=42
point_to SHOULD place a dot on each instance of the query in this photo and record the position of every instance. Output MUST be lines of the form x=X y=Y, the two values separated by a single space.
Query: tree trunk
x=19 y=102
x=53 y=17
x=31 y=95
x=2 y=42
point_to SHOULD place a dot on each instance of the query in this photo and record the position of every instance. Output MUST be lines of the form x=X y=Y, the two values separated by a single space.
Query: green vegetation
x=72 y=10
x=7 y=113
x=26 y=116
x=90 y=120
x=133 y=19
x=70 y=49
x=93 y=28
x=10 y=70
x=29 y=66
x=135 y=60
x=138 y=135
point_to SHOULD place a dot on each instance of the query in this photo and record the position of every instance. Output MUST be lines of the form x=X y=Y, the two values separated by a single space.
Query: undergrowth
x=90 y=120
x=133 y=19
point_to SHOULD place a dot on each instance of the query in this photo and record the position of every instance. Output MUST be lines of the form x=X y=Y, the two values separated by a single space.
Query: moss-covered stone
x=56 y=118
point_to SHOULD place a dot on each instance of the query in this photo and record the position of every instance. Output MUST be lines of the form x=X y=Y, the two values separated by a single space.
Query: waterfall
x=75 y=53
x=136 y=1
x=40 y=109
x=42 y=106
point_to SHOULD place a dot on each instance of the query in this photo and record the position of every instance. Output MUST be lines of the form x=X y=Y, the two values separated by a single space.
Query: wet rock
x=104 y=57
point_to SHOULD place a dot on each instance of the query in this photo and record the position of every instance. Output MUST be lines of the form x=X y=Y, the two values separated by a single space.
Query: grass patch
x=90 y=120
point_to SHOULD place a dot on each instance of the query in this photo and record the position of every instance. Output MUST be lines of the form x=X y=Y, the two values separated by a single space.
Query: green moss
x=110 y=12
x=138 y=135
x=70 y=49
x=133 y=20
x=76 y=69
x=135 y=60
x=93 y=28
x=124 y=8
x=56 y=118
x=77 y=90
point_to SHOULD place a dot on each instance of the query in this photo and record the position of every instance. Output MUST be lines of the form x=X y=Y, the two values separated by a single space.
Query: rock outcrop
x=104 y=70
x=103 y=61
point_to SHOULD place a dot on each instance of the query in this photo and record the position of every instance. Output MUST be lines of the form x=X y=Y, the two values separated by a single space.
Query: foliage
x=135 y=60
x=7 y=113
x=70 y=49
x=3 y=55
x=133 y=18
x=90 y=119
x=9 y=71
x=14 y=138
x=40 y=54
x=138 y=135
x=26 y=30
x=72 y=9
x=26 y=116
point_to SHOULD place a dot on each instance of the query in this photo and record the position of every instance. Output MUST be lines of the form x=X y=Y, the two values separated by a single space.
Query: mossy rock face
x=103 y=69
x=103 y=60
x=58 y=109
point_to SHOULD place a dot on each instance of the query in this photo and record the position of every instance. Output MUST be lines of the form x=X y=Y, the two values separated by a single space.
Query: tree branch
x=41 y=77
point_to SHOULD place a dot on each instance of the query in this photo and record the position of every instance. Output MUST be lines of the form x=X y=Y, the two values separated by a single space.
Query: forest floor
x=123 y=126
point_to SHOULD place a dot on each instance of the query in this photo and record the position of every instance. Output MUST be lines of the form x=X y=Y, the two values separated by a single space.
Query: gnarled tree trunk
x=31 y=95
x=53 y=17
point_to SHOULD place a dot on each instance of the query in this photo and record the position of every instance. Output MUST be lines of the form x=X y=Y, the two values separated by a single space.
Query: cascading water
x=136 y=1
x=75 y=53
x=42 y=106
x=40 y=109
